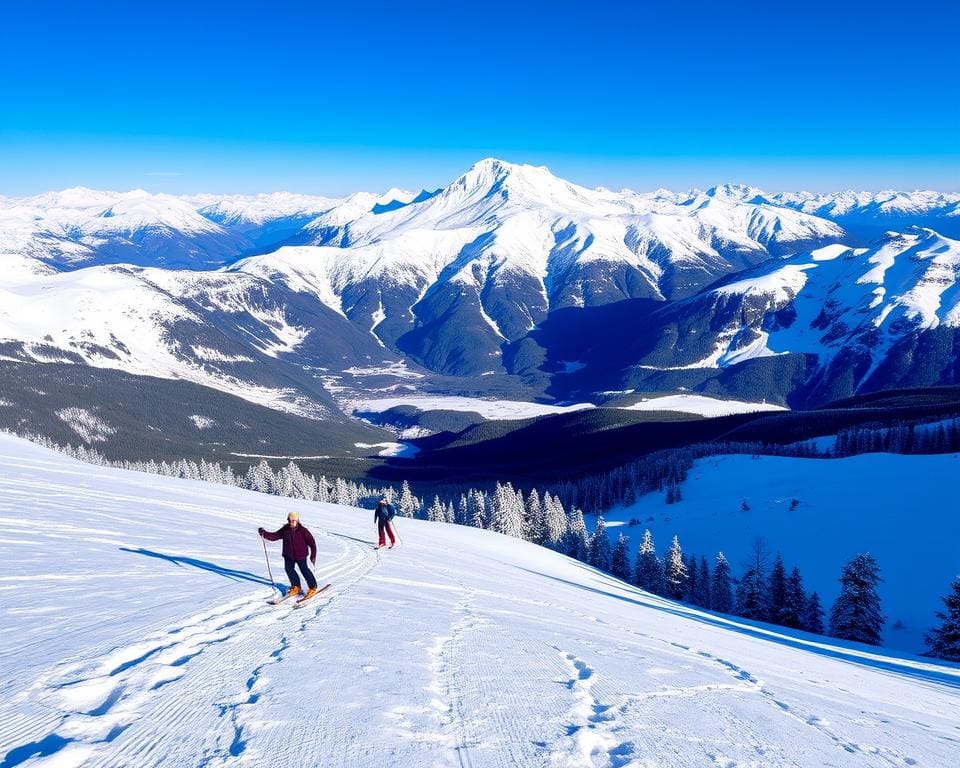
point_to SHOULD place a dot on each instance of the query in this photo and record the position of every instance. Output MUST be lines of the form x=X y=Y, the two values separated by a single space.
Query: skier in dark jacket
x=382 y=516
x=298 y=544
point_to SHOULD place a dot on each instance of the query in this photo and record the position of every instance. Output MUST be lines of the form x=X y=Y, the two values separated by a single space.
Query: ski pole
x=267 y=558
x=396 y=530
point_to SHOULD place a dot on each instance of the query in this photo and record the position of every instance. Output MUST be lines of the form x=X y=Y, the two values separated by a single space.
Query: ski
x=278 y=600
x=303 y=601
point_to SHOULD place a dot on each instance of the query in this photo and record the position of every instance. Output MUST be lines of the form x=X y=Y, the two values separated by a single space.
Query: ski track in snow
x=95 y=700
x=458 y=649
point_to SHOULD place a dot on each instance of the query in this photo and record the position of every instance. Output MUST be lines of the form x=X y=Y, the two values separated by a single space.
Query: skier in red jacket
x=298 y=544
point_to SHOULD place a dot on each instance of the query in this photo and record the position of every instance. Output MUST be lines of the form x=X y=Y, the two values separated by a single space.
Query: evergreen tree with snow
x=476 y=509
x=702 y=597
x=506 y=512
x=408 y=506
x=794 y=599
x=577 y=542
x=259 y=477
x=813 y=615
x=601 y=555
x=675 y=571
x=554 y=521
x=721 y=590
x=692 y=580
x=534 y=522
x=751 y=601
x=778 y=589
x=323 y=490
x=436 y=513
x=620 y=564
x=856 y=613
x=648 y=573
x=463 y=511
x=943 y=642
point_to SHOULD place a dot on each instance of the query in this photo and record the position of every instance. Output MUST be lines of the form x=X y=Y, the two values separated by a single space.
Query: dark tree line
x=941 y=437
x=776 y=596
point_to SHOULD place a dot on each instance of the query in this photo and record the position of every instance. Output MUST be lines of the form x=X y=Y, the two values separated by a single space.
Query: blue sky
x=316 y=97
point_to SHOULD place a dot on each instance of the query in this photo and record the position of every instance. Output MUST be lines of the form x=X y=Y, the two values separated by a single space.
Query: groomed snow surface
x=135 y=632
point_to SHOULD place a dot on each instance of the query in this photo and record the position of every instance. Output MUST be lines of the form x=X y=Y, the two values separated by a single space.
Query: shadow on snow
x=203 y=565
x=947 y=676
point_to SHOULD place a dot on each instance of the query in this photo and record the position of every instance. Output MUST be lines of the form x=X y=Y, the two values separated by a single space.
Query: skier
x=382 y=516
x=298 y=543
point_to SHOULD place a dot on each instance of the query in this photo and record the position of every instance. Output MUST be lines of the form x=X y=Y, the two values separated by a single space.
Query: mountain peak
x=530 y=184
x=739 y=192
x=490 y=171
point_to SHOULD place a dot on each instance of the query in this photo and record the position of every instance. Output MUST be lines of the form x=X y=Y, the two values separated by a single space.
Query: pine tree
x=554 y=521
x=778 y=590
x=752 y=593
x=506 y=512
x=408 y=505
x=601 y=555
x=812 y=620
x=943 y=642
x=648 y=573
x=692 y=580
x=794 y=599
x=675 y=571
x=752 y=596
x=721 y=592
x=476 y=509
x=534 y=521
x=259 y=477
x=702 y=595
x=577 y=542
x=436 y=513
x=620 y=565
x=856 y=613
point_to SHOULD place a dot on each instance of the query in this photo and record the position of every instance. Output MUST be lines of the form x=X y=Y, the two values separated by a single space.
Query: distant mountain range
x=508 y=281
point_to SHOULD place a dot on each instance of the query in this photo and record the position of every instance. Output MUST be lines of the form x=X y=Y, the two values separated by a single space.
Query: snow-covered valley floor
x=135 y=632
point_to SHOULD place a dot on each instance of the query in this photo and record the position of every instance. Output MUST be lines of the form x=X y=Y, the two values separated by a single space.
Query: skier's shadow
x=203 y=565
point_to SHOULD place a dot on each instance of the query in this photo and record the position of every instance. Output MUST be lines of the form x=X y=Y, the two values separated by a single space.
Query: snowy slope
x=847 y=506
x=135 y=633
x=150 y=322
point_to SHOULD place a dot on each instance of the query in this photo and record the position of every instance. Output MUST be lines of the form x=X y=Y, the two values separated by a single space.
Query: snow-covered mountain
x=152 y=644
x=462 y=281
x=503 y=245
x=871 y=318
x=868 y=214
x=83 y=227
x=77 y=227
x=232 y=332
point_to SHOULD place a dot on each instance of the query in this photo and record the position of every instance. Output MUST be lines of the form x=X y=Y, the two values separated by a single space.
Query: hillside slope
x=898 y=508
x=135 y=632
